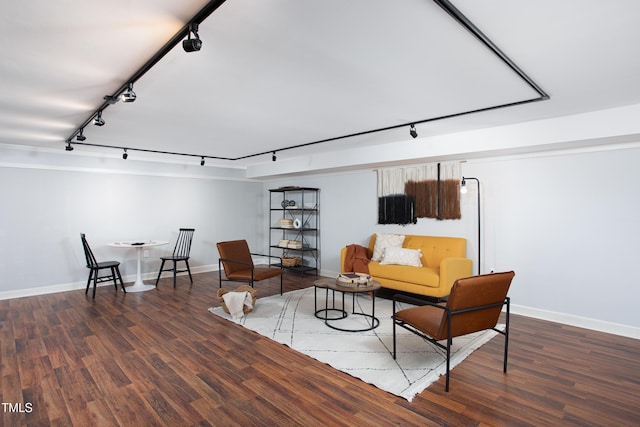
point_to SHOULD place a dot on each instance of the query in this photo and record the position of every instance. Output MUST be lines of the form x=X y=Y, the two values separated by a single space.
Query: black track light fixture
x=97 y=120
x=69 y=147
x=125 y=155
x=192 y=44
x=202 y=161
x=273 y=157
x=128 y=95
x=412 y=131
x=80 y=136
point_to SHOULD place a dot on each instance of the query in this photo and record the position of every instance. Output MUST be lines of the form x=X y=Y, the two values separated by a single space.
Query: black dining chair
x=95 y=267
x=180 y=253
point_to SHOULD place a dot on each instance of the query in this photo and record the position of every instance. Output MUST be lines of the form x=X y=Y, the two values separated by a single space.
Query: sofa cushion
x=386 y=240
x=435 y=249
x=425 y=276
x=402 y=256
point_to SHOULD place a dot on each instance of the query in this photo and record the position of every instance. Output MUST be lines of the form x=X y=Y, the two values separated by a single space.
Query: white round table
x=139 y=285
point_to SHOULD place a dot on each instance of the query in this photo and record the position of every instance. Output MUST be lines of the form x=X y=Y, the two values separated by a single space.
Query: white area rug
x=289 y=319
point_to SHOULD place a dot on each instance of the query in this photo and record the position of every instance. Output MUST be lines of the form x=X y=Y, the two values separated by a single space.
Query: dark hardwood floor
x=160 y=358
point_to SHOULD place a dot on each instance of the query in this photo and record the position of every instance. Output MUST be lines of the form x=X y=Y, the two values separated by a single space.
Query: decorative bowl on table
x=353 y=280
x=291 y=261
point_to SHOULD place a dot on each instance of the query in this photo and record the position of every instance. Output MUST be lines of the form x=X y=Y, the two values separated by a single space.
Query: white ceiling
x=279 y=73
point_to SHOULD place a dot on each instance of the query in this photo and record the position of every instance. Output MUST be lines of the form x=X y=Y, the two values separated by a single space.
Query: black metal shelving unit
x=301 y=205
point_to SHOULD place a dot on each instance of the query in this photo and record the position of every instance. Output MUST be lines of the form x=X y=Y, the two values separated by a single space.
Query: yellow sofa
x=443 y=261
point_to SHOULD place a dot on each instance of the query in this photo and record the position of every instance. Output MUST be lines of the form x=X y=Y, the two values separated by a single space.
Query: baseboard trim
x=74 y=286
x=578 y=321
x=149 y=277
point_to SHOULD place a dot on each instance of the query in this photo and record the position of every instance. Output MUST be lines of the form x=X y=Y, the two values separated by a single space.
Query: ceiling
x=277 y=74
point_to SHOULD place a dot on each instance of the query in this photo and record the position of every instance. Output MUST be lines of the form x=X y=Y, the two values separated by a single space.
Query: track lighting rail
x=192 y=27
x=145 y=150
x=175 y=40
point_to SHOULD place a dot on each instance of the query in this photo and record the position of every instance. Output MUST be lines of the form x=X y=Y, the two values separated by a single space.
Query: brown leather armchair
x=474 y=305
x=235 y=259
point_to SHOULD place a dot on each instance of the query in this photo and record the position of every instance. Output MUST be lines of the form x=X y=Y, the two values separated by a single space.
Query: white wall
x=564 y=221
x=44 y=210
x=567 y=224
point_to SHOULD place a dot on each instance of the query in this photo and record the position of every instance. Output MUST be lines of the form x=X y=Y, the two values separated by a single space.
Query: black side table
x=333 y=285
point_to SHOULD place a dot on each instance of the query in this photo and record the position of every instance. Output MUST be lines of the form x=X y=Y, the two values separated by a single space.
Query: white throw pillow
x=402 y=256
x=384 y=241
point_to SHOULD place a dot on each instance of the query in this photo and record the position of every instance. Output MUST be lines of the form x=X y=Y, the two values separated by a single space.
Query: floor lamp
x=463 y=189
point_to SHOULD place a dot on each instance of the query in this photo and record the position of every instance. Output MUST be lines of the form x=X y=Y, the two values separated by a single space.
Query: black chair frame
x=250 y=264
x=94 y=269
x=181 y=252
x=450 y=313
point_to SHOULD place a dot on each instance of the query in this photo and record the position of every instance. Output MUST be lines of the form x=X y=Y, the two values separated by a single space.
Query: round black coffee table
x=333 y=285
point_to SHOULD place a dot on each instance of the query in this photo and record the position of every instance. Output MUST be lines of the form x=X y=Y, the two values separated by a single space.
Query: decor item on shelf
x=297 y=223
x=291 y=261
x=286 y=223
x=288 y=204
x=283 y=243
x=295 y=244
